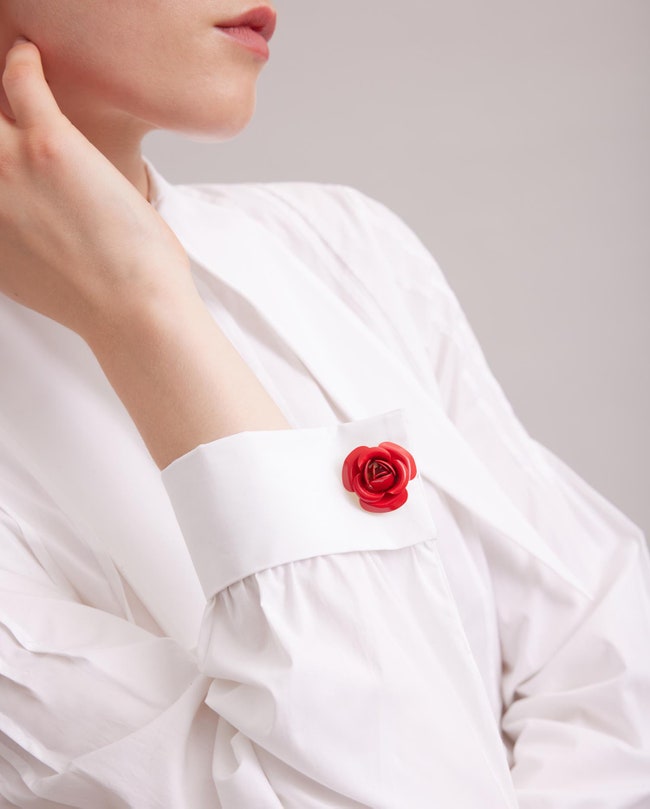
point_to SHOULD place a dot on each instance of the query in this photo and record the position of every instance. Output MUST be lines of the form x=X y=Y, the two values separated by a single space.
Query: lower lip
x=246 y=36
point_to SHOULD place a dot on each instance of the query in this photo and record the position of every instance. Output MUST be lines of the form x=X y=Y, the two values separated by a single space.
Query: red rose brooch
x=379 y=475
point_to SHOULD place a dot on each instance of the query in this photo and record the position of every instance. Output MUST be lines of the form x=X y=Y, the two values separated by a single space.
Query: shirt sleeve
x=576 y=670
x=331 y=668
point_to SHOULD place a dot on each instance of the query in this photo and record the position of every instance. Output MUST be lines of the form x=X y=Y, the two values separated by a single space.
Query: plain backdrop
x=512 y=137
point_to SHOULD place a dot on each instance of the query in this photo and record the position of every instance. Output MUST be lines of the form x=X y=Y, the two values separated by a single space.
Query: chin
x=210 y=119
x=210 y=132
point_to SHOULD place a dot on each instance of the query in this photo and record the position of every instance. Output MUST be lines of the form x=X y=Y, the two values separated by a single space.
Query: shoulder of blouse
x=345 y=219
x=358 y=229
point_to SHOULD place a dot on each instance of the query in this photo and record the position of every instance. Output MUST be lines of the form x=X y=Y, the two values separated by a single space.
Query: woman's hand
x=79 y=242
x=82 y=246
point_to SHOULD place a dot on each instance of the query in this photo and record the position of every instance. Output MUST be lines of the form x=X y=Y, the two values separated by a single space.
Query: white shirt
x=236 y=631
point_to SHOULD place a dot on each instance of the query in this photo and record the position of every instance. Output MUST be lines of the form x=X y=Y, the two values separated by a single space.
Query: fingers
x=28 y=94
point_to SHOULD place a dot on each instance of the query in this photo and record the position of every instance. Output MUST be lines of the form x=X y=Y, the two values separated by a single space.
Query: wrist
x=180 y=378
x=130 y=314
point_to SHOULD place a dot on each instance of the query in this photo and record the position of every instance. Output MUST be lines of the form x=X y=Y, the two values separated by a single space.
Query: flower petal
x=402 y=477
x=398 y=500
x=350 y=467
x=371 y=453
x=404 y=455
x=389 y=505
x=363 y=493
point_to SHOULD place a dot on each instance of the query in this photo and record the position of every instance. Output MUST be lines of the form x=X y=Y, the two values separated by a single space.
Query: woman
x=271 y=533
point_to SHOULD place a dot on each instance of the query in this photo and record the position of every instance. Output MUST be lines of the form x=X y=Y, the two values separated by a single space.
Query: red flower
x=379 y=475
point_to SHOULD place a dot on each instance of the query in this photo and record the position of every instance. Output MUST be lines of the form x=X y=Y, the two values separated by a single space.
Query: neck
x=120 y=142
x=128 y=161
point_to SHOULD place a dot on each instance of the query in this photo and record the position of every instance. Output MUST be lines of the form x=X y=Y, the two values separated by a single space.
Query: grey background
x=512 y=138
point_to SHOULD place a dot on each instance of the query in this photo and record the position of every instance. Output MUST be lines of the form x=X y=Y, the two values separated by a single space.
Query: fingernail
x=19 y=40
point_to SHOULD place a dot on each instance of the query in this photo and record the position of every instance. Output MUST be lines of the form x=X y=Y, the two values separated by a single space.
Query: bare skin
x=109 y=268
x=120 y=69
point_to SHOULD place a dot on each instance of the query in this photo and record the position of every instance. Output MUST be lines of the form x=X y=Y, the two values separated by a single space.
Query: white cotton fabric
x=235 y=631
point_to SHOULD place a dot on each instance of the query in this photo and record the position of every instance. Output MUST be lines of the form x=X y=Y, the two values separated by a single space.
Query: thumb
x=28 y=94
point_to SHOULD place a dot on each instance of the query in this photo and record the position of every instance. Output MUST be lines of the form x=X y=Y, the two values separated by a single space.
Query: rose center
x=379 y=475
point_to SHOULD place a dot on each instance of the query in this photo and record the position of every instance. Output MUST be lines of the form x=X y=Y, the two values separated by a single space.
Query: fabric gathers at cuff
x=291 y=479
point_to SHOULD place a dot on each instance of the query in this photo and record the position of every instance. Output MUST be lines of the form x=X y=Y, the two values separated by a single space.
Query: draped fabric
x=234 y=630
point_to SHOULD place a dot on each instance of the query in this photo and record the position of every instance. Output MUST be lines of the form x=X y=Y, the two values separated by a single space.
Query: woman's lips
x=253 y=28
x=248 y=37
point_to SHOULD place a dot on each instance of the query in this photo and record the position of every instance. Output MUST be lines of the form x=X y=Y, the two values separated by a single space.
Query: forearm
x=180 y=378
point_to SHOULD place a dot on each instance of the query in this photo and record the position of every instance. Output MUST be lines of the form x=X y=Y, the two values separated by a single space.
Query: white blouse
x=236 y=631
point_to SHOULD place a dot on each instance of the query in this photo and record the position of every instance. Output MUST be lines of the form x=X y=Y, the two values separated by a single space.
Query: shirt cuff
x=256 y=499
